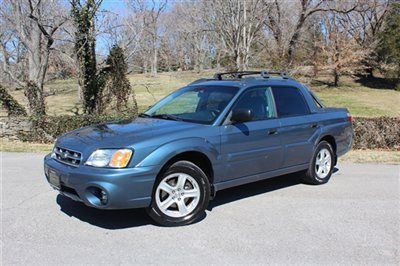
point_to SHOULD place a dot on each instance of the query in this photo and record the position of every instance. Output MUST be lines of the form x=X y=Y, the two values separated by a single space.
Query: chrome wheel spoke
x=181 y=181
x=319 y=171
x=166 y=203
x=182 y=207
x=166 y=187
x=192 y=193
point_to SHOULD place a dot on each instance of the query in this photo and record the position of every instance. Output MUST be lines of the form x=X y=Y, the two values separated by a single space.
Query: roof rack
x=240 y=74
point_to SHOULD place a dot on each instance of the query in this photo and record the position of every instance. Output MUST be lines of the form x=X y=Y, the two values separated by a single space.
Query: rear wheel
x=321 y=166
x=180 y=196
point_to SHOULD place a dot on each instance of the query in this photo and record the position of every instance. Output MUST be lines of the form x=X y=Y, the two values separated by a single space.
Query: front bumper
x=125 y=188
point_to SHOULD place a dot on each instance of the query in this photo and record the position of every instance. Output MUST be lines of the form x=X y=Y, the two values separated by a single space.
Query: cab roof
x=243 y=79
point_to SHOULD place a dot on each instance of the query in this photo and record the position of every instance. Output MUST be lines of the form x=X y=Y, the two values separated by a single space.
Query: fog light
x=103 y=197
x=96 y=196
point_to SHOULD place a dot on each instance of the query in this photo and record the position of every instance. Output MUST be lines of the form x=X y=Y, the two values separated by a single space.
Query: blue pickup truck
x=233 y=129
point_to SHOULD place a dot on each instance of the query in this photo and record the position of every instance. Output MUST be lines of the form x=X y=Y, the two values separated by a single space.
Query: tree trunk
x=34 y=86
x=237 y=60
x=336 y=77
x=36 y=99
x=370 y=72
x=154 y=63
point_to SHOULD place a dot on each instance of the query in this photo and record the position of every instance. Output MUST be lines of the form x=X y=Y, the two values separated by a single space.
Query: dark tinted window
x=259 y=101
x=289 y=101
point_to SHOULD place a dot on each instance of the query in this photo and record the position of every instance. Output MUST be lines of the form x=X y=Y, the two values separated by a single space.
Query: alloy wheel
x=177 y=195
x=323 y=163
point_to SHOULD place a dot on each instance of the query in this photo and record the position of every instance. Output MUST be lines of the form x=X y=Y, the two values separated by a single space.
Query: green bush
x=12 y=107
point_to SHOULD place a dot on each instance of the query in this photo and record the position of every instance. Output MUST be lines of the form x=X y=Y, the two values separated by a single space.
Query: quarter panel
x=296 y=134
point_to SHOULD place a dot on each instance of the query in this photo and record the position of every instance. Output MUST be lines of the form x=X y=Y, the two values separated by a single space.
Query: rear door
x=296 y=128
x=253 y=147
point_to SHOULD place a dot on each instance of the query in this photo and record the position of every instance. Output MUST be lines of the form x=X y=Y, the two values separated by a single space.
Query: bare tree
x=187 y=40
x=365 y=23
x=32 y=24
x=237 y=25
x=342 y=52
x=150 y=13
x=287 y=27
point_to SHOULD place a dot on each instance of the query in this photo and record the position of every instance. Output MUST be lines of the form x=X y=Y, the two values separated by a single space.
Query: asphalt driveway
x=354 y=219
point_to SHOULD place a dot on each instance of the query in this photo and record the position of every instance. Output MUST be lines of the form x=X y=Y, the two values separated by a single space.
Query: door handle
x=273 y=131
x=314 y=125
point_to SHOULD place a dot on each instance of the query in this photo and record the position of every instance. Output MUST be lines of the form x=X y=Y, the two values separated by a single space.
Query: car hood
x=120 y=134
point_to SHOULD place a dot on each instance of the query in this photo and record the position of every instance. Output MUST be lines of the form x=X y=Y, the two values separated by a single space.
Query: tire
x=320 y=170
x=180 y=195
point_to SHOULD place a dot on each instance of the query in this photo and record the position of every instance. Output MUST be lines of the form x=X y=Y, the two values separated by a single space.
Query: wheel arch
x=331 y=140
x=196 y=157
x=195 y=150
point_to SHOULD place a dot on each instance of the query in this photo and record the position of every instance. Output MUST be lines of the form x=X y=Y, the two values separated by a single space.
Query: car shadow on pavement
x=256 y=188
x=121 y=219
x=108 y=219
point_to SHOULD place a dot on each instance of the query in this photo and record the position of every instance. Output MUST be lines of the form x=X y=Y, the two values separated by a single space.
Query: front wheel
x=321 y=166
x=180 y=196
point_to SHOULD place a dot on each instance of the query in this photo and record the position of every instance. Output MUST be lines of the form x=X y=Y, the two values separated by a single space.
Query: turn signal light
x=120 y=158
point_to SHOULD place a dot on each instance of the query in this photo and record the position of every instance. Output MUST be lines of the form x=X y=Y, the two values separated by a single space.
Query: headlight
x=110 y=158
x=53 y=152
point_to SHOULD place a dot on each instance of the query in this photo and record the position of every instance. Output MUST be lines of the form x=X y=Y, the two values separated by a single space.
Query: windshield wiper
x=168 y=117
x=144 y=115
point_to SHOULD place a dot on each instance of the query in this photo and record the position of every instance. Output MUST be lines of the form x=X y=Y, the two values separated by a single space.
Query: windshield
x=193 y=104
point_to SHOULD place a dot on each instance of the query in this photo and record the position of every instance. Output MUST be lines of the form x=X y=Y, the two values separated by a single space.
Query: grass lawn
x=19 y=146
x=357 y=156
x=360 y=100
x=372 y=156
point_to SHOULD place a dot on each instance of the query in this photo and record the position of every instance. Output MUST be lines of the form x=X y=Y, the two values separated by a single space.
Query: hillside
x=359 y=99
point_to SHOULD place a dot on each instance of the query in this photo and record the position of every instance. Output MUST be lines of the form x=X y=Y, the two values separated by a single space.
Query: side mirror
x=241 y=115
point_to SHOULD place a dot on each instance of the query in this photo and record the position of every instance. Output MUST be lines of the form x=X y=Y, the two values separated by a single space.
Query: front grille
x=67 y=156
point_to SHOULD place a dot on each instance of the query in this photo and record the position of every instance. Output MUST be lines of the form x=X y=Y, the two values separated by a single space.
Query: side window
x=259 y=101
x=289 y=101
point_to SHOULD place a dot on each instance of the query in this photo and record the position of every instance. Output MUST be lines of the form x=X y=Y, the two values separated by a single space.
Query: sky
x=114 y=6
x=117 y=6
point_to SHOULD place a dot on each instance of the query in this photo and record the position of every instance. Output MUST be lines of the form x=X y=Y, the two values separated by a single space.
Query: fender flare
x=161 y=155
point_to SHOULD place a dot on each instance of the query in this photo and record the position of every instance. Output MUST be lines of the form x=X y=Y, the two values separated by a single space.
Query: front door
x=253 y=147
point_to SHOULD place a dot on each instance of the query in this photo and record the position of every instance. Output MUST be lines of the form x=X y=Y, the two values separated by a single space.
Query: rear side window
x=289 y=101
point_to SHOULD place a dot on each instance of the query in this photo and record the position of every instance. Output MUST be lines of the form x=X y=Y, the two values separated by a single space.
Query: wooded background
x=88 y=40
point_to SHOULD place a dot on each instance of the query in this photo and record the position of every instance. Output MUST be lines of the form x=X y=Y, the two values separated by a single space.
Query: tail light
x=350 y=118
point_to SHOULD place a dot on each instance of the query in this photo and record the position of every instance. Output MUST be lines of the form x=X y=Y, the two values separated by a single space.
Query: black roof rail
x=240 y=74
